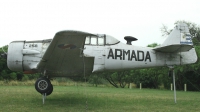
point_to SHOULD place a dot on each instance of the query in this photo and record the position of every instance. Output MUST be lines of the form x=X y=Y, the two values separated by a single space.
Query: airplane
x=74 y=53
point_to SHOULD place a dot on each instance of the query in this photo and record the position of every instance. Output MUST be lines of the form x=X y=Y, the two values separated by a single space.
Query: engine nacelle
x=15 y=56
x=25 y=55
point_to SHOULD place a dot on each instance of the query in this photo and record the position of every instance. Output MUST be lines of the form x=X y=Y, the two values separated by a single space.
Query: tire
x=42 y=85
x=50 y=90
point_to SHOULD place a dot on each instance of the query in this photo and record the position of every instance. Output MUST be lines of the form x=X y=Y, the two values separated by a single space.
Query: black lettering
x=126 y=53
x=148 y=56
x=118 y=55
x=122 y=55
x=133 y=56
x=110 y=54
x=140 y=53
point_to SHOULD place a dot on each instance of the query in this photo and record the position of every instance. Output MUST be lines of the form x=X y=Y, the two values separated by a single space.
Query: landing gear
x=50 y=90
x=44 y=86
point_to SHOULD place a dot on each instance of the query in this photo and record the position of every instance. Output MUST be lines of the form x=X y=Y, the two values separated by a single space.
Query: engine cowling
x=15 y=56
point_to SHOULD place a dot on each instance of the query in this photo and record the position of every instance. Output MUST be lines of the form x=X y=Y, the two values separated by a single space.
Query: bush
x=95 y=80
x=25 y=78
x=13 y=76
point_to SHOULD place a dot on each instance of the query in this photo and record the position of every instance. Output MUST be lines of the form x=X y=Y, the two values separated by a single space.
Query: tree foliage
x=153 y=45
x=96 y=79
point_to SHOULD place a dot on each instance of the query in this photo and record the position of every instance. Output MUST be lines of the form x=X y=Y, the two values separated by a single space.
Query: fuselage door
x=99 y=54
x=95 y=47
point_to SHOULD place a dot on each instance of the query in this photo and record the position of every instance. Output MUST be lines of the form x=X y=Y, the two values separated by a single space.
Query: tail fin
x=179 y=40
x=179 y=35
x=178 y=47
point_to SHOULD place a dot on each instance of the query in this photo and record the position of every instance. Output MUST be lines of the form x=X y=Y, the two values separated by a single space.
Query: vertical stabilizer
x=178 y=47
x=179 y=35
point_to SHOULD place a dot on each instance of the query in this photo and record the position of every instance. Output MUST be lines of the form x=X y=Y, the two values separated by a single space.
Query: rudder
x=179 y=35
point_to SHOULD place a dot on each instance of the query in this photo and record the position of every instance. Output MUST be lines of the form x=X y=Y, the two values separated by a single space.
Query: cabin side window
x=94 y=40
x=100 y=40
x=87 y=40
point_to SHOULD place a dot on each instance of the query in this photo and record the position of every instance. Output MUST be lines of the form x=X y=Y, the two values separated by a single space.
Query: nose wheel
x=44 y=86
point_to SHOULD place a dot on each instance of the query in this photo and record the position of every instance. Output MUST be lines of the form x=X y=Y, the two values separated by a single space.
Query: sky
x=142 y=19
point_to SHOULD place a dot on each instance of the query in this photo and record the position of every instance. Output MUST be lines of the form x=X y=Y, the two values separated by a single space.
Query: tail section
x=179 y=40
x=178 y=47
x=179 y=35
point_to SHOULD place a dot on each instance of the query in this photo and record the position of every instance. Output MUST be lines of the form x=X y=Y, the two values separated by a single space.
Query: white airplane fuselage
x=25 y=55
x=123 y=57
x=103 y=53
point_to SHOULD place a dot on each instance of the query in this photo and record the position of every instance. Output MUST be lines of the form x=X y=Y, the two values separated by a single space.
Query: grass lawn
x=99 y=99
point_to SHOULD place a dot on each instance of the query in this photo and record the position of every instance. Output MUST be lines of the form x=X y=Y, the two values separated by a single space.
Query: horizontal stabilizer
x=174 y=48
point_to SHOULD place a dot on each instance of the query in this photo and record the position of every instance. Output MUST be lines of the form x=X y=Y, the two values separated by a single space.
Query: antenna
x=129 y=39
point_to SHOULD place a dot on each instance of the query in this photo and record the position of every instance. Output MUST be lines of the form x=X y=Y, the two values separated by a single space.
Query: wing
x=64 y=56
x=174 y=48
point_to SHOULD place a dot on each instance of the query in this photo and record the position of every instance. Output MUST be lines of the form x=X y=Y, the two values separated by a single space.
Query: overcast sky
x=41 y=19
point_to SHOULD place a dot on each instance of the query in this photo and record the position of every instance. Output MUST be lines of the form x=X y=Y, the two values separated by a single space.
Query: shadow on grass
x=71 y=102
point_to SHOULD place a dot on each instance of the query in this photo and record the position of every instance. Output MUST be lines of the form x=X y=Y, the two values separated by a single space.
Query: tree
x=153 y=45
x=165 y=31
x=150 y=78
x=119 y=78
x=4 y=71
x=96 y=79
x=111 y=78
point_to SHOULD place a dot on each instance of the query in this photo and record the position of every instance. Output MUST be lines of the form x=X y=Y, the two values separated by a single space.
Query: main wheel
x=43 y=85
x=50 y=90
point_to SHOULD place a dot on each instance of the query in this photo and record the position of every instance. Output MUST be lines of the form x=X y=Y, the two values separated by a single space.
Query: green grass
x=99 y=99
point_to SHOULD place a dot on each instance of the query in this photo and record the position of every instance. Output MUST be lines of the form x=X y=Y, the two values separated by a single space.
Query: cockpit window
x=87 y=40
x=100 y=40
x=94 y=40
x=111 y=40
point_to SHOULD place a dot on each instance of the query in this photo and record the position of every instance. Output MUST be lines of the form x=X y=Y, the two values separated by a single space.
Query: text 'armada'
x=129 y=55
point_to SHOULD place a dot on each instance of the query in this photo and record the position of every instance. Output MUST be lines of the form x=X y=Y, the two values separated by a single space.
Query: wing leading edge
x=64 y=56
